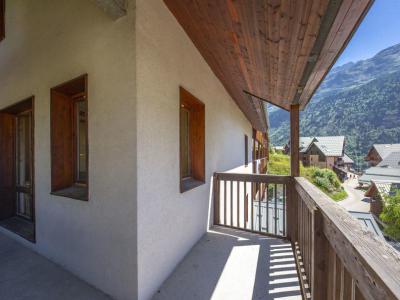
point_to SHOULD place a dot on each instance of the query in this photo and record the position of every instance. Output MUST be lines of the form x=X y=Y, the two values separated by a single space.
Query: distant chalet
x=323 y=152
x=379 y=152
x=384 y=160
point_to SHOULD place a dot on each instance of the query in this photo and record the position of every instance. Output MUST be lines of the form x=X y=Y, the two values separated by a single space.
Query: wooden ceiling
x=272 y=50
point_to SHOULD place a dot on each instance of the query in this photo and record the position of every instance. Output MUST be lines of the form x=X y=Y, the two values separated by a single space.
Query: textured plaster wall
x=170 y=223
x=47 y=43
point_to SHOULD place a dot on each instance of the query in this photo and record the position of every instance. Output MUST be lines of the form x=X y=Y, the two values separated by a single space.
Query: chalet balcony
x=279 y=237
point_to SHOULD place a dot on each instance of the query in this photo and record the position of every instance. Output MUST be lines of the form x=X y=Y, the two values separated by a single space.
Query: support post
x=291 y=208
x=294 y=140
x=216 y=199
x=254 y=151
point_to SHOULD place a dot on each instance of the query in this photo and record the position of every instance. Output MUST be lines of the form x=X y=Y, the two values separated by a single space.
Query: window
x=2 y=19
x=69 y=139
x=192 y=141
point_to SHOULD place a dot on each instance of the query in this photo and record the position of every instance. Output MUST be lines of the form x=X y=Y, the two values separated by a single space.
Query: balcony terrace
x=304 y=246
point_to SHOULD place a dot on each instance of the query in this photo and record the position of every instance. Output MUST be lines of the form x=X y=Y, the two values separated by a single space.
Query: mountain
x=359 y=100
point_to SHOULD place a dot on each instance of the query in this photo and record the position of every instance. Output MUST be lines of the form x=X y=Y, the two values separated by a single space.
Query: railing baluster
x=238 y=204
x=252 y=208
x=245 y=206
x=231 y=208
x=259 y=207
x=276 y=209
x=216 y=200
x=225 y=222
x=284 y=210
x=267 y=207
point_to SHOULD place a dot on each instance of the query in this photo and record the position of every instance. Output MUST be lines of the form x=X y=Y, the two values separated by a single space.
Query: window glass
x=81 y=143
x=185 y=143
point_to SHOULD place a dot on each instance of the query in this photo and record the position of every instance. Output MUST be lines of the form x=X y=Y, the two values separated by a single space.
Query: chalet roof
x=367 y=219
x=383 y=187
x=347 y=159
x=392 y=160
x=380 y=174
x=305 y=142
x=385 y=149
x=329 y=145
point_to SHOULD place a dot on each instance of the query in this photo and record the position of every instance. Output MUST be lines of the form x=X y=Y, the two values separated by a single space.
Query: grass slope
x=325 y=179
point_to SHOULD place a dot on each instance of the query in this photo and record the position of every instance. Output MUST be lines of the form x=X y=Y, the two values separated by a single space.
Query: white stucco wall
x=170 y=223
x=47 y=43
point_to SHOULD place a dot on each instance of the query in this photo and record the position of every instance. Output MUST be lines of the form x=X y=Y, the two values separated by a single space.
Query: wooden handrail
x=339 y=257
x=369 y=266
x=257 y=178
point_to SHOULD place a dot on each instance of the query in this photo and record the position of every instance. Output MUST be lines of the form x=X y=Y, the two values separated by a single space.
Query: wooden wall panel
x=348 y=18
x=2 y=19
x=274 y=50
x=7 y=165
x=61 y=141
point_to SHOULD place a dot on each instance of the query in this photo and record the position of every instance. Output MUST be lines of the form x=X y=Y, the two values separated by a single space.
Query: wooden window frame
x=246 y=150
x=196 y=110
x=70 y=187
x=2 y=19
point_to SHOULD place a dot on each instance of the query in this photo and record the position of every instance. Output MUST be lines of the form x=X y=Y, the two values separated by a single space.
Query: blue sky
x=379 y=30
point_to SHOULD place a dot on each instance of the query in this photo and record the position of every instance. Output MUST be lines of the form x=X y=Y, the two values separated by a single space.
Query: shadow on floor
x=23 y=228
x=231 y=264
x=26 y=275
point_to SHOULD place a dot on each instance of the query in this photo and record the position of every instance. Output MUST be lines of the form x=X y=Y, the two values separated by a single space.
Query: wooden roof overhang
x=277 y=51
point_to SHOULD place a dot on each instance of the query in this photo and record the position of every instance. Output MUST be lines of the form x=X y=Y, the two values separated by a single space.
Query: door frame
x=28 y=104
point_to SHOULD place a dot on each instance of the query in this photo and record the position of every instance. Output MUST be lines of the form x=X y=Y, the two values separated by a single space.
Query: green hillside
x=359 y=100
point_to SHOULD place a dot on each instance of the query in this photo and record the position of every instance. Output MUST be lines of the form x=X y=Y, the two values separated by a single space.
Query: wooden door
x=7 y=166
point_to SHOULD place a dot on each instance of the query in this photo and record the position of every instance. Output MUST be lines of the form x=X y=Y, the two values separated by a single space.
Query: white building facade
x=135 y=225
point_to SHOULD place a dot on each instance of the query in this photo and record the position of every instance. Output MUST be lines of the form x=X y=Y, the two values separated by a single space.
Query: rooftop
x=367 y=219
x=392 y=160
x=385 y=149
x=380 y=174
x=329 y=145
x=347 y=159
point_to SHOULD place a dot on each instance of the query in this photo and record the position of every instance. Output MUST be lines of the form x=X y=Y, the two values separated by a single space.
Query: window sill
x=76 y=192
x=188 y=184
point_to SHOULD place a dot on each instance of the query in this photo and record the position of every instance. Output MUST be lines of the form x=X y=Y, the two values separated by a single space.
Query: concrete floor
x=26 y=275
x=231 y=264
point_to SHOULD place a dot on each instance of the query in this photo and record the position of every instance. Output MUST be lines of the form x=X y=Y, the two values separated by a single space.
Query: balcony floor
x=232 y=264
x=25 y=274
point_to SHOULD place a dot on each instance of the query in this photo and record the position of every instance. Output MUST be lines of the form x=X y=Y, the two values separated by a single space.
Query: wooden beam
x=276 y=51
x=294 y=140
x=347 y=19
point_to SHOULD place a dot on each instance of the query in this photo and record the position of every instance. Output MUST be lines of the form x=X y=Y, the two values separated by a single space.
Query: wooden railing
x=251 y=202
x=337 y=258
